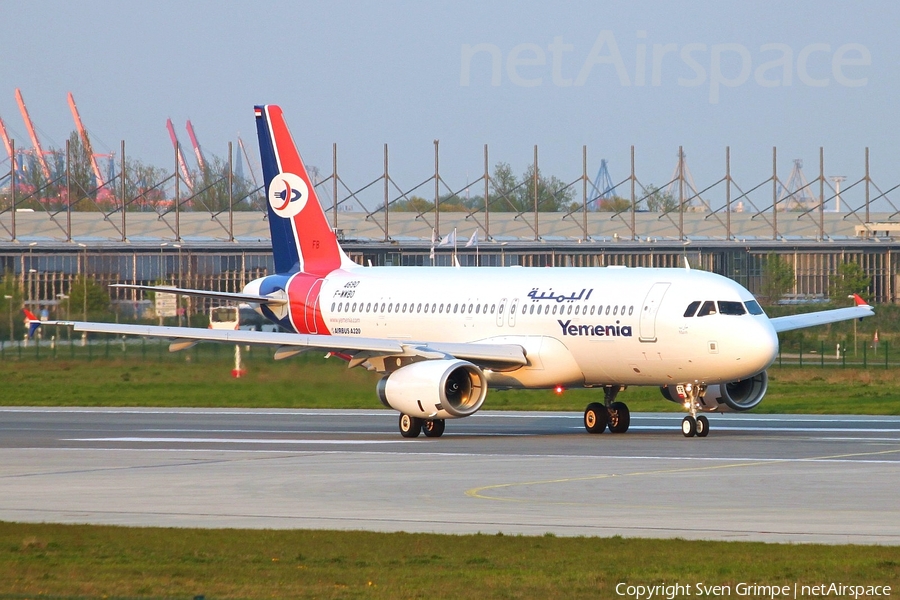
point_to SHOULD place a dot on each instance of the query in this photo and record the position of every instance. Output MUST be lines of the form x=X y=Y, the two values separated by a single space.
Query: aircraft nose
x=764 y=349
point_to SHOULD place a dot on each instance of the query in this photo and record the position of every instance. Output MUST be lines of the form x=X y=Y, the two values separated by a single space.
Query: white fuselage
x=579 y=326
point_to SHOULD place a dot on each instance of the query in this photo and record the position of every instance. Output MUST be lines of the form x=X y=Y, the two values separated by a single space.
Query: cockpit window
x=727 y=307
x=753 y=307
x=708 y=308
x=692 y=308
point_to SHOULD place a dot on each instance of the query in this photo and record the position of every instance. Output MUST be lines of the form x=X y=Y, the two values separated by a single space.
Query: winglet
x=32 y=322
x=859 y=300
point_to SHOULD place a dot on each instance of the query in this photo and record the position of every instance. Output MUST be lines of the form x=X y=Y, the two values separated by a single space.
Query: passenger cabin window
x=753 y=307
x=727 y=307
x=692 y=308
x=708 y=308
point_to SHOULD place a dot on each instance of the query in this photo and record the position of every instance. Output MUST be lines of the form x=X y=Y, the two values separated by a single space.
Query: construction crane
x=201 y=162
x=33 y=134
x=694 y=203
x=7 y=143
x=602 y=187
x=795 y=195
x=186 y=174
x=86 y=141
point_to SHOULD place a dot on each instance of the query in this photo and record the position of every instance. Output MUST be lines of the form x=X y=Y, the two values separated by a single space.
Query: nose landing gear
x=694 y=425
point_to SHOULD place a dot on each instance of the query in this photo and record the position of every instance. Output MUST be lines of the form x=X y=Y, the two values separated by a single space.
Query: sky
x=657 y=75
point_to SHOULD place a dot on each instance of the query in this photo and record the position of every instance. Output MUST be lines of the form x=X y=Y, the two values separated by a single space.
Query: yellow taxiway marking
x=479 y=492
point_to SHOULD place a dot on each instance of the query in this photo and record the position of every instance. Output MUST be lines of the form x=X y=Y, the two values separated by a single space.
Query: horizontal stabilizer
x=235 y=296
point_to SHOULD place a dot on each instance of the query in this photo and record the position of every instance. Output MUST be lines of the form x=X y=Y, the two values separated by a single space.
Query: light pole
x=62 y=296
x=9 y=300
x=180 y=310
x=84 y=281
x=32 y=292
x=854 y=331
x=84 y=291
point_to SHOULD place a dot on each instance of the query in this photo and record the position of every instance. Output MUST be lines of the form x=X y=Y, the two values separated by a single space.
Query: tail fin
x=32 y=322
x=302 y=239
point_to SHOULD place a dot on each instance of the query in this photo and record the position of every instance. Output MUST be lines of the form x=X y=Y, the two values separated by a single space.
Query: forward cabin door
x=650 y=309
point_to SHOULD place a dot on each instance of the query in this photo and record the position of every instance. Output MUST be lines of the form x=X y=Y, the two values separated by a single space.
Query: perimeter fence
x=805 y=353
x=779 y=202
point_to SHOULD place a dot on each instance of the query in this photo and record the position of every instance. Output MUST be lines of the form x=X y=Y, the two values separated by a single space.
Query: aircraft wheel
x=702 y=426
x=619 y=417
x=595 y=417
x=433 y=427
x=410 y=427
x=689 y=426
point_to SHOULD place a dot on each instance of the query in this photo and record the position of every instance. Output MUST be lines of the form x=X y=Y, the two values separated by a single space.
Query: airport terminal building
x=46 y=252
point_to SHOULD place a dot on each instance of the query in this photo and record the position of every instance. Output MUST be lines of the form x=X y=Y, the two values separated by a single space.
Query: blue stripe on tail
x=287 y=259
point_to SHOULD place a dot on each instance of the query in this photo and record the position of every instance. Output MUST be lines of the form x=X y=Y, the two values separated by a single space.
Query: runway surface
x=831 y=479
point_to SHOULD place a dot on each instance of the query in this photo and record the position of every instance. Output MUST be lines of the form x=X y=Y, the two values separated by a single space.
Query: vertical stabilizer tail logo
x=288 y=194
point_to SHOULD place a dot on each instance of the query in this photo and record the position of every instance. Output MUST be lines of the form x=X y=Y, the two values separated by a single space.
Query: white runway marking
x=591 y=458
x=720 y=426
x=175 y=440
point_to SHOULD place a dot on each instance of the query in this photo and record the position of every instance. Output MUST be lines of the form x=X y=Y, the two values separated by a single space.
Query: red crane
x=196 y=145
x=7 y=143
x=180 y=155
x=31 y=132
x=86 y=141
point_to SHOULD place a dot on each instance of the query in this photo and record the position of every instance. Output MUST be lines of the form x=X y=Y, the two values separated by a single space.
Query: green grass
x=64 y=561
x=201 y=377
x=101 y=561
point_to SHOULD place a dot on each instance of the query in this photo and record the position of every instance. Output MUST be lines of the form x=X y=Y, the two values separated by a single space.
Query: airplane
x=441 y=337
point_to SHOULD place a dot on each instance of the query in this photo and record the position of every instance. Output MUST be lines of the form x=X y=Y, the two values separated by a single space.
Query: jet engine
x=736 y=396
x=434 y=389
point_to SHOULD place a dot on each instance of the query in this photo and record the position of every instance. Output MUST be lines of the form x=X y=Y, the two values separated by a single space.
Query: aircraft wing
x=288 y=344
x=236 y=296
x=823 y=317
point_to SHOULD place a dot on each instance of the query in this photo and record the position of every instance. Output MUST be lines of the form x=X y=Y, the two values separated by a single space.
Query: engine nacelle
x=736 y=396
x=435 y=389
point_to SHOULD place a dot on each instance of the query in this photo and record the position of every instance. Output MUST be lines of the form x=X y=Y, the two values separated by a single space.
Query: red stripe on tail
x=319 y=249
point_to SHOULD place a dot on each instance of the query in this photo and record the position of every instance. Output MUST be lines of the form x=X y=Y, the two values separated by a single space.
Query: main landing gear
x=692 y=424
x=411 y=427
x=612 y=414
